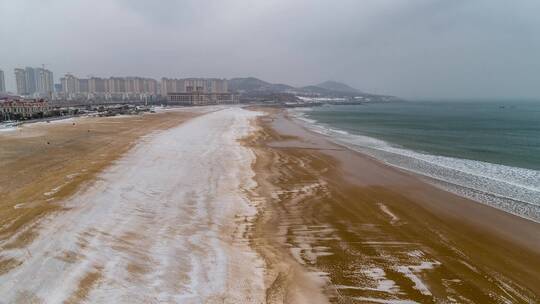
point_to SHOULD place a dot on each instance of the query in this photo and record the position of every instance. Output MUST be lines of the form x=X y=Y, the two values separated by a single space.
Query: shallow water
x=488 y=151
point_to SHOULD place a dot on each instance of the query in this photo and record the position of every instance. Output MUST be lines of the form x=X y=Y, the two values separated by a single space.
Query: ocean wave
x=512 y=189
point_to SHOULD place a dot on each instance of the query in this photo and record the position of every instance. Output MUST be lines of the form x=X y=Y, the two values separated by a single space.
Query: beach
x=240 y=205
x=43 y=163
x=162 y=222
x=376 y=234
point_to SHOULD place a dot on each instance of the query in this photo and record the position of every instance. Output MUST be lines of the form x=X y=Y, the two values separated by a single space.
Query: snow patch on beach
x=54 y=190
x=378 y=276
x=412 y=272
x=383 y=284
x=393 y=218
x=157 y=226
x=384 y=301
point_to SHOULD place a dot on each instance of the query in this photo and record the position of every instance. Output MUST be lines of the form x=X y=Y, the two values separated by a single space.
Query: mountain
x=246 y=84
x=337 y=87
x=330 y=89
x=313 y=89
x=252 y=84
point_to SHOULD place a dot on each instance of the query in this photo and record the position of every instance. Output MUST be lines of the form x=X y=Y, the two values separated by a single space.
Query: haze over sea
x=488 y=151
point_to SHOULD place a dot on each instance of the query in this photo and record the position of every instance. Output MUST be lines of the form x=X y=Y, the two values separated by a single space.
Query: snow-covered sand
x=164 y=224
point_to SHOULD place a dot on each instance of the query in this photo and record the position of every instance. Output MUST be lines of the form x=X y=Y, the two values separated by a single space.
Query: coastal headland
x=239 y=205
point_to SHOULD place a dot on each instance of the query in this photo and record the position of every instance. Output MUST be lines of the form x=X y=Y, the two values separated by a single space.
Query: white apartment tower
x=70 y=84
x=20 y=79
x=98 y=85
x=2 y=82
x=34 y=81
x=189 y=85
x=30 y=79
x=44 y=82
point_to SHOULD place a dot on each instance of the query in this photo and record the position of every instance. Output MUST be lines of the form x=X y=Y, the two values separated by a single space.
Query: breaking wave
x=512 y=189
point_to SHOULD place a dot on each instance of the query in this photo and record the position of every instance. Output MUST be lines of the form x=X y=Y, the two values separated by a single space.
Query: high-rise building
x=44 y=82
x=113 y=88
x=171 y=86
x=20 y=79
x=70 y=84
x=188 y=85
x=30 y=78
x=2 y=82
x=194 y=85
x=139 y=85
x=131 y=84
x=97 y=85
x=34 y=81
x=219 y=85
x=150 y=86
x=197 y=91
x=117 y=85
x=84 y=85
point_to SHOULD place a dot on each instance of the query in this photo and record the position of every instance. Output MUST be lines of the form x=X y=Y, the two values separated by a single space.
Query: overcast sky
x=408 y=48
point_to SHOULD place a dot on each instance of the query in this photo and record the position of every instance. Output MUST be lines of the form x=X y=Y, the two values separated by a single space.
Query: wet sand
x=344 y=226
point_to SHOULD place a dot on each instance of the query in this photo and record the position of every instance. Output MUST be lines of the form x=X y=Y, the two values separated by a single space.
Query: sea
x=488 y=151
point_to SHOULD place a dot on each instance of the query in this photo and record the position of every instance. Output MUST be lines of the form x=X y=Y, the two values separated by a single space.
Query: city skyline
x=30 y=80
x=36 y=83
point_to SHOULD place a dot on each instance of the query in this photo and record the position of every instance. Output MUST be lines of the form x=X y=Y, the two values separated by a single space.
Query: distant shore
x=375 y=233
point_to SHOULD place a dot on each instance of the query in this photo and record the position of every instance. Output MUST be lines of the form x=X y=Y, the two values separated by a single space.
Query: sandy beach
x=162 y=220
x=43 y=163
x=374 y=234
x=237 y=205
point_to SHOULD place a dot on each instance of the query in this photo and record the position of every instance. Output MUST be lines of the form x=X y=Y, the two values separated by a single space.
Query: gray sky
x=409 y=48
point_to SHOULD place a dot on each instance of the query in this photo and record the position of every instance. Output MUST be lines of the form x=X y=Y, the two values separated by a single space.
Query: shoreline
x=421 y=179
x=451 y=233
x=513 y=189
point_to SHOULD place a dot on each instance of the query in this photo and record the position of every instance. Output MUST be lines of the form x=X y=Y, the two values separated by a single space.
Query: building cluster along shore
x=91 y=92
x=38 y=83
x=37 y=93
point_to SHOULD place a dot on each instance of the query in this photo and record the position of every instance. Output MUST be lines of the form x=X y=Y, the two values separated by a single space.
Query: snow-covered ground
x=163 y=224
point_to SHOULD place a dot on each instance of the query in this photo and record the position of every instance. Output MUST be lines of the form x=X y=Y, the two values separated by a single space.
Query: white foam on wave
x=516 y=190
